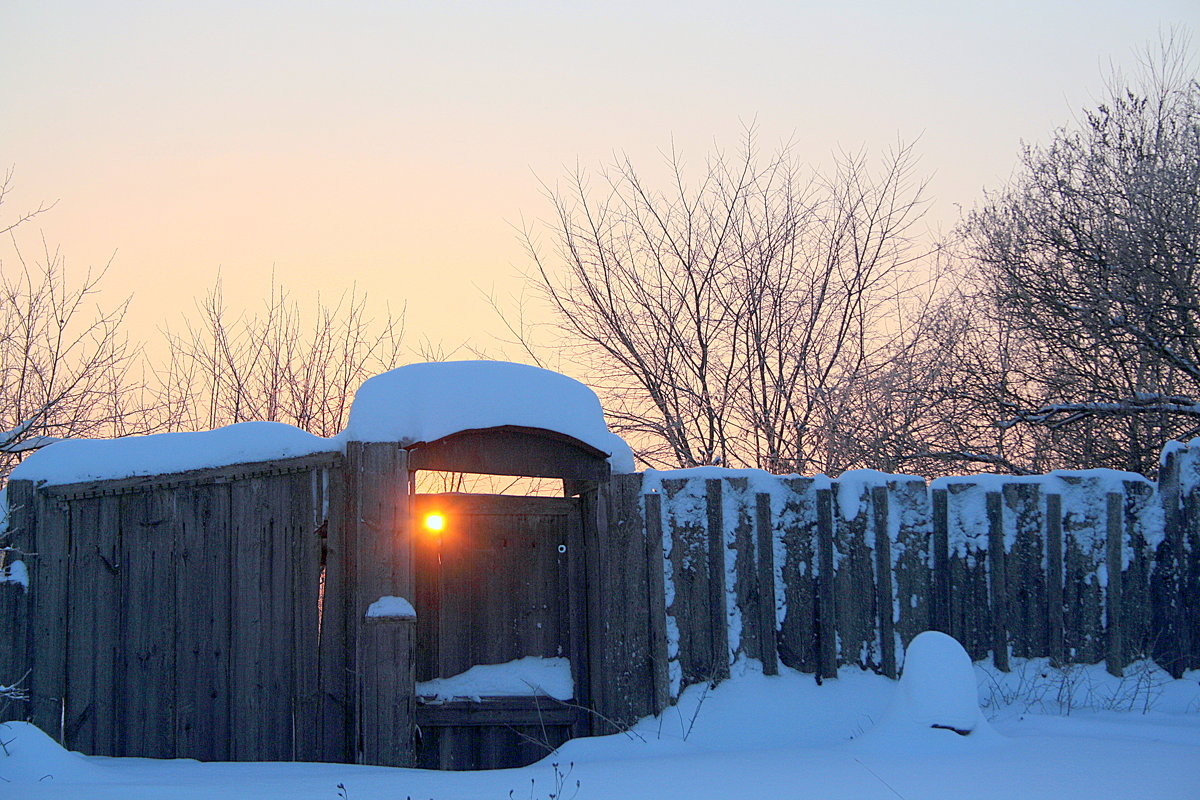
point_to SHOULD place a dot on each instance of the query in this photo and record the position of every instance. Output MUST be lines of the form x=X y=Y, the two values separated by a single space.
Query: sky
x=400 y=147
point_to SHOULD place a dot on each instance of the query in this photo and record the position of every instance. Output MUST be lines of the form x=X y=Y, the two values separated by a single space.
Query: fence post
x=1113 y=638
x=383 y=566
x=1054 y=578
x=766 y=584
x=997 y=581
x=827 y=654
x=656 y=585
x=716 y=579
x=883 y=581
x=941 y=562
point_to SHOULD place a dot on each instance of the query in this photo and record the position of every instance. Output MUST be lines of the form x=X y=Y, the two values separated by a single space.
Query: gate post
x=380 y=533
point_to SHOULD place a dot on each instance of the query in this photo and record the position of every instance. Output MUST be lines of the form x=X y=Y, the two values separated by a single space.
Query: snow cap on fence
x=78 y=460
x=426 y=402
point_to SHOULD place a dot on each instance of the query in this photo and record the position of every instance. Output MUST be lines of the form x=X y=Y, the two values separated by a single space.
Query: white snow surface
x=76 y=460
x=426 y=402
x=416 y=403
x=17 y=573
x=779 y=737
x=520 y=678
x=390 y=606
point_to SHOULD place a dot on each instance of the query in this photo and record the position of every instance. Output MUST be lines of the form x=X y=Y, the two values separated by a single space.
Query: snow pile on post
x=427 y=402
x=78 y=460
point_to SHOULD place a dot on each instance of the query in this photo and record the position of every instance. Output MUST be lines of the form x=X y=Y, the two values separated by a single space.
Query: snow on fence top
x=426 y=402
x=78 y=460
x=416 y=403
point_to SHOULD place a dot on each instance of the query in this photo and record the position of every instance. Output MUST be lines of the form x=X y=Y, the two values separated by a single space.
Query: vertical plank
x=798 y=576
x=202 y=580
x=48 y=586
x=884 y=596
x=336 y=652
x=719 y=624
x=383 y=566
x=742 y=594
x=909 y=508
x=941 y=562
x=854 y=580
x=1054 y=579
x=577 y=603
x=1024 y=572
x=997 y=581
x=826 y=623
x=16 y=610
x=148 y=540
x=308 y=496
x=92 y=658
x=388 y=691
x=766 y=584
x=1114 y=649
x=656 y=600
x=684 y=513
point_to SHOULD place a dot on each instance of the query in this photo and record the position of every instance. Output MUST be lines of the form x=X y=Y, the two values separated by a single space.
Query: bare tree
x=721 y=320
x=1092 y=259
x=278 y=365
x=64 y=361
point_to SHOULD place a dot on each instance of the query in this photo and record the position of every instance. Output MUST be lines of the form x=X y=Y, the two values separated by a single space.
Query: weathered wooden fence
x=181 y=617
x=817 y=573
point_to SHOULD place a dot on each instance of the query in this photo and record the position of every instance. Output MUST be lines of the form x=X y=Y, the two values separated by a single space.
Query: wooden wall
x=182 y=618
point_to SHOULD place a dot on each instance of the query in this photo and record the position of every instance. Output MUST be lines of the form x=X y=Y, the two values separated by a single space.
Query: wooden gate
x=502 y=581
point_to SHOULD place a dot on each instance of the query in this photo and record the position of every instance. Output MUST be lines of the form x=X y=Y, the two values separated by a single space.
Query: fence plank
x=766 y=584
x=1025 y=575
x=941 y=563
x=656 y=589
x=884 y=598
x=148 y=539
x=16 y=656
x=1115 y=521
x=719 y=617
x=854 y=581
x=997 y=581
x=48 y=586
x=911 y=555
x=798 y=575
x=1054 y=580
x=827 y=621
x=204 y=723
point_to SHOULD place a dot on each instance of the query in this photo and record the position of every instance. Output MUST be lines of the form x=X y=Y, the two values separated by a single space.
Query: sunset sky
x=400 y=145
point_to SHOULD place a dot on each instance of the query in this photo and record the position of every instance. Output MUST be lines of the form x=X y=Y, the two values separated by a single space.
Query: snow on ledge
x=78 y=460
x=426 y=402
x=521 y=678
x=391 y=607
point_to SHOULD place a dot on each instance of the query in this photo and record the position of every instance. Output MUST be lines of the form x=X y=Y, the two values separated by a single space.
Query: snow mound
x=77 y=460
x=30 y=756
x=521 y=678
x=426 y=402
x=936 y=699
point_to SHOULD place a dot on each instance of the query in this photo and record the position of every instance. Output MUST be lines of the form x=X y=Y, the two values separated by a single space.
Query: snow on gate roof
x=411 y=404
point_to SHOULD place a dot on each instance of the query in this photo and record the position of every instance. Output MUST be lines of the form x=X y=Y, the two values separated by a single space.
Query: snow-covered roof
x=412 y=404
x=77 y=460
x=426 y=402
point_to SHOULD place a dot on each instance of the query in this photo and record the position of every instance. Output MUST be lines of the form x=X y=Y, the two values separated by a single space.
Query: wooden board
x=796 y=533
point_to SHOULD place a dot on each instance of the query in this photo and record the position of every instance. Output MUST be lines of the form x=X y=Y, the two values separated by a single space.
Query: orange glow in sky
x=398 y=147
x=435 y=522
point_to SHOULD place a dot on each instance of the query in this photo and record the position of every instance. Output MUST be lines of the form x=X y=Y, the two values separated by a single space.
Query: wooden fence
x=817 y=573
x=180 y=617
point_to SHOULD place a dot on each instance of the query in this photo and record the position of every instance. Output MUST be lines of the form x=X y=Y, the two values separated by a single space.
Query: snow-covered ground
x=1043 y=733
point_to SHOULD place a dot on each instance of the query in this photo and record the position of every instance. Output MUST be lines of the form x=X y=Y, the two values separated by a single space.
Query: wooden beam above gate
x=511 y=450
